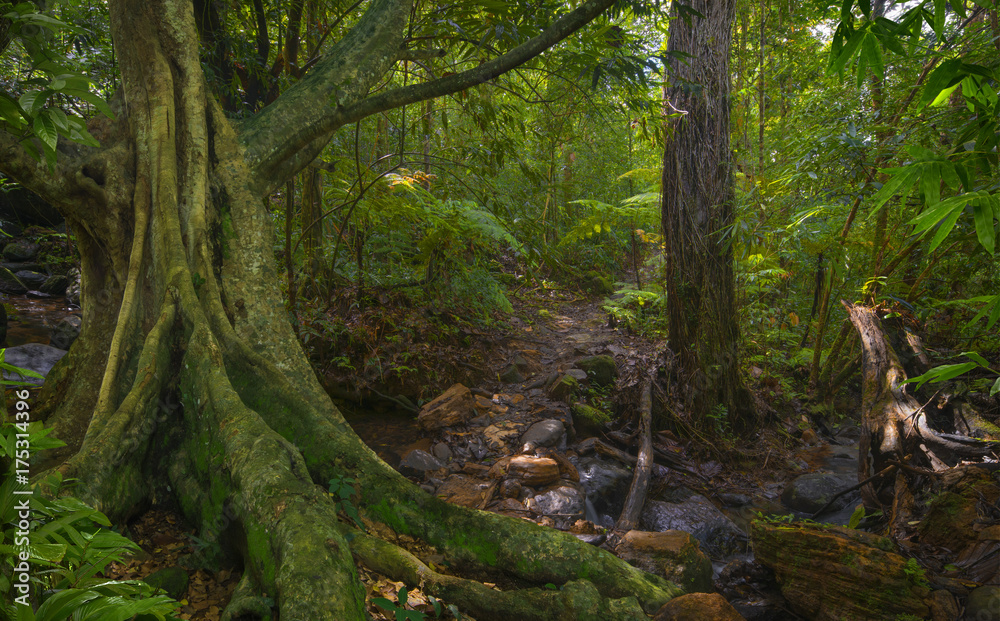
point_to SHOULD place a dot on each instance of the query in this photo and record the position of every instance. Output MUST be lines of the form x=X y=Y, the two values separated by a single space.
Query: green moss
x=259 y=551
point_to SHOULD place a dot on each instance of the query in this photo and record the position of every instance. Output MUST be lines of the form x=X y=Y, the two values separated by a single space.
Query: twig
x=854 y=487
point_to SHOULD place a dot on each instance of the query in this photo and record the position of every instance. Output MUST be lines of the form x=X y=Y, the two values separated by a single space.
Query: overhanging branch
x=562 y=28
x=280 y=145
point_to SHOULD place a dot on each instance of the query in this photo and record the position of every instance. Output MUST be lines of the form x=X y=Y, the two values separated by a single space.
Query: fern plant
x=68 y=547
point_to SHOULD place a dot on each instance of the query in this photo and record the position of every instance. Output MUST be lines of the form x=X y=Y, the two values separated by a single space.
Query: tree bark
x=698 y=212
x=203 y=396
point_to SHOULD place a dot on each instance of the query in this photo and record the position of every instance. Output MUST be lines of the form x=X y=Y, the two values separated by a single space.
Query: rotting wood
x=644 y=462
x=894 y=425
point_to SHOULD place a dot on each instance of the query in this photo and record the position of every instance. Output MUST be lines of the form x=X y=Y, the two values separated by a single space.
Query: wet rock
x=463 y=490
x=510 y=488
x=983 y=603
x=21 y=251
x=578 y=374
x=73 y=290
x=606 y=483
x=35 y=356
x=32 y=280
x=752 y=590
x=564 y=388
x=173 y=581
x=566 y=468
x=417 y=462
x=533 y=471
x=587 y=420
x=718 y=535
x=594 y=540
x=673 y=554
x=65 y=332
x=808 y=493
x=601 y=370
x=697 y=607
x=512 y=375
x=10 y=228
x=735 y=500
x=453 y=407
x=442 y=451
x=563 y=501
x=944 y=607
x=477 y=470
x=511 y=507
x=9 y=283
x=549 y=432
x=30 y=266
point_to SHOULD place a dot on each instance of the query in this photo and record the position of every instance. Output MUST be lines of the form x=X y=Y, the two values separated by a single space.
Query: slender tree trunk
x=698 y=198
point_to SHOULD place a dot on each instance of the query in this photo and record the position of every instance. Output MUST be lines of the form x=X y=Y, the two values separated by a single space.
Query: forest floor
x=516 y=373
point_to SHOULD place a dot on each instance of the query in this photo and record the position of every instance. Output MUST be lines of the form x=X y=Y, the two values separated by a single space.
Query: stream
x=33 y=319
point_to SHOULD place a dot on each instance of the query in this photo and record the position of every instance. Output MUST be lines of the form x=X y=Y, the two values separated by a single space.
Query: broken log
x=644 y=463
x=894 y=425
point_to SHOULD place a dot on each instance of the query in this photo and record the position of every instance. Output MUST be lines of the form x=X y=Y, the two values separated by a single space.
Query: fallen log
x=644 y=463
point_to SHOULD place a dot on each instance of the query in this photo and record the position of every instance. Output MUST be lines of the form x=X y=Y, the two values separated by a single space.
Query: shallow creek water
x=33 y=318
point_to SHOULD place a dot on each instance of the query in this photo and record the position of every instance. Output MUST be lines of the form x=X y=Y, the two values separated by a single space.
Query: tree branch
x=282 y=138
x=560 y=29
x=54 y=188
x=294 y=145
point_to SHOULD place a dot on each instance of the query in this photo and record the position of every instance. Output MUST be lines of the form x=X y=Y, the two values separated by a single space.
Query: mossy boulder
x=953 y=513
x=673 y=554
x=9 y=283
x=698 y=607
x=54 y=285
x=172 y=580
x=564 y=388
x=596 y=283
x=601 y=370
x=21 y=251
x=588 y=421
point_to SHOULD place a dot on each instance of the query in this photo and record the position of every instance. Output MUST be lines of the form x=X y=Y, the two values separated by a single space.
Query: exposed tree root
x=576 y=600
x=202 y=380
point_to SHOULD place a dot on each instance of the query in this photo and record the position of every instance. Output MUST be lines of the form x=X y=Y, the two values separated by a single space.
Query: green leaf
x=940 y=12
x=32 y=101
x=873 y=57
x=930 y=183
x=982 y=210
x=10 y=113
x=850 y=48
x=975 y=356
x=944 y=229
x=101 y=105
x=902 y=180
x=46 y=131
x=996 y=387
x=385 y=604
x=856 y=517
x=943 y=373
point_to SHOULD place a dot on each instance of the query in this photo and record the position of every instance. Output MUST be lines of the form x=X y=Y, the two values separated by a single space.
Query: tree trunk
x=203 y=396
x=698 y=213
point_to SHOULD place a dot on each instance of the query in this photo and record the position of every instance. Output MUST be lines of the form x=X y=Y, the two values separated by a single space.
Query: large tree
x=698 y=212
x=187 y=383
